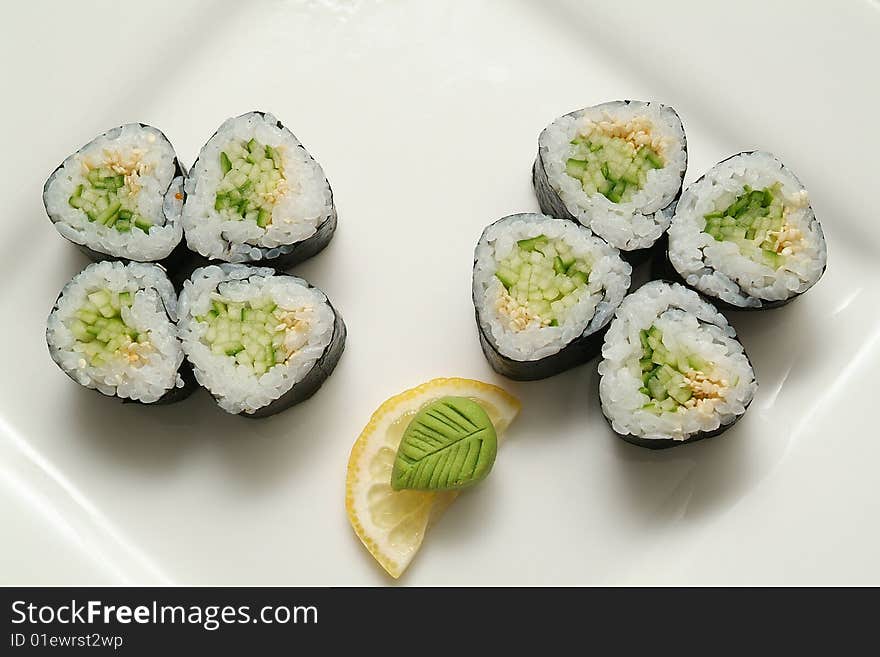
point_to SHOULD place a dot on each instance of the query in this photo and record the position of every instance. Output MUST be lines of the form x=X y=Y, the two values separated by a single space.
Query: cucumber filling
x=103 y=335
x=253 y=180
x=756 y=221
x=675 y=382
x=256 y=334
x=542 y=279
x=614 y=158
x=108 y=193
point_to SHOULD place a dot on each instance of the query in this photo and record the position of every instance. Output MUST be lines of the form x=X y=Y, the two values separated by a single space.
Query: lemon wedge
x=392 y=524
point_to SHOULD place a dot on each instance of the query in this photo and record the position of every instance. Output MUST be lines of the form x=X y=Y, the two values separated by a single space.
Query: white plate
x=425 y=117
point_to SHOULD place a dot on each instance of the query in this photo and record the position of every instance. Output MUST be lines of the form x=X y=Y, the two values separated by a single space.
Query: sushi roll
x=112 y=329
x=120 y=196
x=745 y=235
x=617 y=168
x=255 y=195
x=544 y=291
x=673 y=370
x=258 y=340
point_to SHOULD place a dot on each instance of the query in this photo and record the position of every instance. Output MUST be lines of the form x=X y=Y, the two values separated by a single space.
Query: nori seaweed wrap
x=673 y=370
x=255 y=195
x=120 y=197
x=259 y=340
x=745 y=235
x=112 y=329
x=544 y=291
x=617 y=168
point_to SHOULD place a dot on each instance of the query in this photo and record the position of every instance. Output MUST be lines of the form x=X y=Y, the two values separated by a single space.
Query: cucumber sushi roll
x=745 y=234
x=120 y=196
x=112 y=329
x=673 y=370
x=258 y=340
x=544 y=291
x=255 y=195
x=617 y=168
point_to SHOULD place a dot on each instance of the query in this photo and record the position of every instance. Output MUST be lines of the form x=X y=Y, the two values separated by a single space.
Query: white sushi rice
x=608 y=282
x=238 y=389
x=296 y=215
x=630 y=225
x=153 y=310
x=718 y=268
x=688 y=324
x=157 y=199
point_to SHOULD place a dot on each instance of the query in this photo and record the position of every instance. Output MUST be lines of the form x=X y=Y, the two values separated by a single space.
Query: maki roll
x=745 y=234
x=120 y=196
x=259 y=341
x=112 y=329
x=255 y=195
x=544 y=290
x=617 y=168
x=673 y=370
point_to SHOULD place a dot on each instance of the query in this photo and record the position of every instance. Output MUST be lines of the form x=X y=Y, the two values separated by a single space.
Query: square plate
x=425 y=117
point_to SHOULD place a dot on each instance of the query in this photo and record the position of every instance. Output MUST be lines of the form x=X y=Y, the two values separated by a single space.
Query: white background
x=425 y=116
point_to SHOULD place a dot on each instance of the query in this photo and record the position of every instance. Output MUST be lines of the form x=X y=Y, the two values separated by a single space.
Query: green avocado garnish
x=449 y=444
